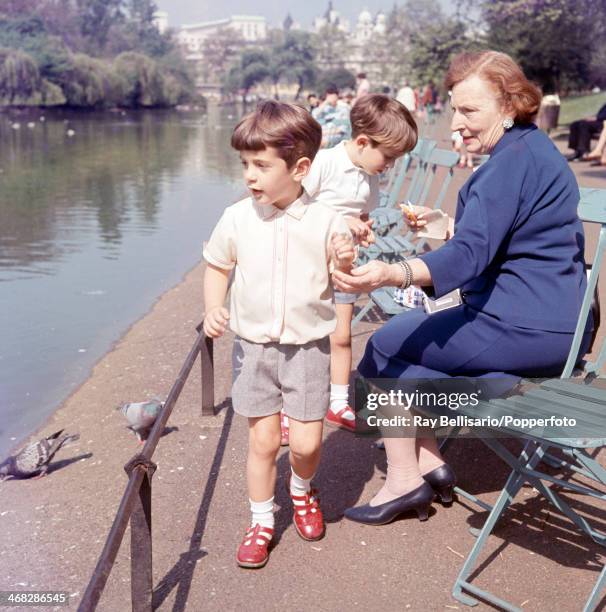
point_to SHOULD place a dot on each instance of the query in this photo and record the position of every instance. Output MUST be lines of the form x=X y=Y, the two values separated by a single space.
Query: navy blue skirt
x=463 y=341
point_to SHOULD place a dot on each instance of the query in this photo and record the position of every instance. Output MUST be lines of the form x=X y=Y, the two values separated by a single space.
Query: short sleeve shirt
x=335 y=181
x=282 y=290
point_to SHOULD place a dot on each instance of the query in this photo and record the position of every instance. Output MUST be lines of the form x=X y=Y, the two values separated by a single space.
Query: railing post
x=208 y=377
x=141 y=560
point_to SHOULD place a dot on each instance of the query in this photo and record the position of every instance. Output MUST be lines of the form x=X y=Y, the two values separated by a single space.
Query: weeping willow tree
x=19 y=76
x=147 y=82
x=91 y=82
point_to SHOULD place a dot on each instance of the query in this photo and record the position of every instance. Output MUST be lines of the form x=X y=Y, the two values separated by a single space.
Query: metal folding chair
x=582 y=400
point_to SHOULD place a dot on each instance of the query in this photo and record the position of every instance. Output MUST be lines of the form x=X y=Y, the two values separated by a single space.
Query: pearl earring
x=507 y=123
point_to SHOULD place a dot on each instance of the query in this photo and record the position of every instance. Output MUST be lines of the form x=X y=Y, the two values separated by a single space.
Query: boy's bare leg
x=340 y=346
x=340 y=368
x=263 y=447
x=305 y=446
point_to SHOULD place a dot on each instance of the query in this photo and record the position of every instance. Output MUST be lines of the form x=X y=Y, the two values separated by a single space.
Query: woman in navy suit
x=516 y=254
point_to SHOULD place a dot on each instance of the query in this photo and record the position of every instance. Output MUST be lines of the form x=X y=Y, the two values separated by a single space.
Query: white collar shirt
x=337 y=182
x=282 y=289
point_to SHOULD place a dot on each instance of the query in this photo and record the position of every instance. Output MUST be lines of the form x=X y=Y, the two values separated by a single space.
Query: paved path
x=53 y=529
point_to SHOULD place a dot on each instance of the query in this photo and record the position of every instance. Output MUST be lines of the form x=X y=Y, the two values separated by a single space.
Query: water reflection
x=99 y=214
x=57 y=189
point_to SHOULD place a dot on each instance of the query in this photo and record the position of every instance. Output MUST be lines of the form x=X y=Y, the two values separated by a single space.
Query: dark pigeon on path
x=141 y=416
x=34 y=459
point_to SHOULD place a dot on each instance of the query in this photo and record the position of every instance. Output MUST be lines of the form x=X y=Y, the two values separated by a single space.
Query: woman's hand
x=368 y=277
x=215 y=321
x=413 y=216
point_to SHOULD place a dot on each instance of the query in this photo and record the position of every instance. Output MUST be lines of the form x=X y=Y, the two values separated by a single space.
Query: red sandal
x=254 y=549
x=307 y=517
x=336 y=419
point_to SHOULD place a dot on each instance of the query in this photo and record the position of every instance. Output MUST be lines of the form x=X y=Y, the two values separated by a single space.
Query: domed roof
x=365 y=17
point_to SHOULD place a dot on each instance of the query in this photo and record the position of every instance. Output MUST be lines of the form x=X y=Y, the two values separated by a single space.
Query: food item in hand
x=408 y=211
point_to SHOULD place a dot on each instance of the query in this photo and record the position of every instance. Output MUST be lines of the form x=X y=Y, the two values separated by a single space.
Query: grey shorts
x=270 y=377
x=346 y=298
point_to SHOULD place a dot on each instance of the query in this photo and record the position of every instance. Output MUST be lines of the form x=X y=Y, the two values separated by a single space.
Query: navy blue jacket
x=518 y=249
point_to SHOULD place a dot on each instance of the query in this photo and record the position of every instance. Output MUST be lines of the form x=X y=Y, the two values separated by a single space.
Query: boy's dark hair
x=331 y=88
x=386 y=122
x=311 y=95
x=289 y=129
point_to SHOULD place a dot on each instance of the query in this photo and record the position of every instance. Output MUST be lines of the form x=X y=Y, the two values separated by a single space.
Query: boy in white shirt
x=346 y=178
x=282 y=311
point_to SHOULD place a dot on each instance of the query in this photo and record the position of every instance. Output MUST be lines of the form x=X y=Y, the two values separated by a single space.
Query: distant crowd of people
x=332 y=109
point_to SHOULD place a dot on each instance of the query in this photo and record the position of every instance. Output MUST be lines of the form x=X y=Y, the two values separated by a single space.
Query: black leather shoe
x=442 y=481
x=418 y=500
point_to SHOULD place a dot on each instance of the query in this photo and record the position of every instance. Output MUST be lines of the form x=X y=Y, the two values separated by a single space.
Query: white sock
x=339 y=397
x=299 y=486
x=262 y=513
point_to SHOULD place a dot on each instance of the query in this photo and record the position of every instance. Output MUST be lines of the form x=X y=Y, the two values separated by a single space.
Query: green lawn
x=580 y=106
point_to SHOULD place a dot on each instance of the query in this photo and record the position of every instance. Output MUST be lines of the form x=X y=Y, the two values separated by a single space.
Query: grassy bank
x=581 y=106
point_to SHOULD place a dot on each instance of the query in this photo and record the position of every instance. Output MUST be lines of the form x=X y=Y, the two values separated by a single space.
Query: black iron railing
x=135 y=505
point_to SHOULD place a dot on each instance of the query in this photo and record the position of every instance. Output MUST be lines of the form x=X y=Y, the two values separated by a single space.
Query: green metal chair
x=580 y=399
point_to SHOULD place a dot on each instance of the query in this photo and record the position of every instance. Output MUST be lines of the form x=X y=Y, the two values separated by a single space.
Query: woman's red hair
x=516 y=91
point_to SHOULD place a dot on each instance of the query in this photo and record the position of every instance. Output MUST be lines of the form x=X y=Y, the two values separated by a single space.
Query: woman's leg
x=403 y=474
x=599 y=151
x=428 y=452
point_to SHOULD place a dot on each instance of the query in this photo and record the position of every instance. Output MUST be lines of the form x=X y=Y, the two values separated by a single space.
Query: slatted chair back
x=421 y=154
x=592 y=209
x=440 y=158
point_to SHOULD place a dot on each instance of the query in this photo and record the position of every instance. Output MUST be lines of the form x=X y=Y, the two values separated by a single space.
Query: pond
x=100 y=213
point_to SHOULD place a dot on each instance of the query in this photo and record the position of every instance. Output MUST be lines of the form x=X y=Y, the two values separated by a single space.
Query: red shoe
x=337 y=420
x=307 y=517
x=284 y=430
x=254 y=549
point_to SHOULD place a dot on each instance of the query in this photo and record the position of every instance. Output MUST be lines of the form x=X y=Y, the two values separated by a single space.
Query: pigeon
x=33 y=459
x=141 y=416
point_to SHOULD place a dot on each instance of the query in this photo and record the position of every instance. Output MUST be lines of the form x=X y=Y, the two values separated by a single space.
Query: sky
x=303 y=11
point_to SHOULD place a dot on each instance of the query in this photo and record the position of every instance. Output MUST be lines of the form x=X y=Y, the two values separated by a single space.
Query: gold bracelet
x=407 y=274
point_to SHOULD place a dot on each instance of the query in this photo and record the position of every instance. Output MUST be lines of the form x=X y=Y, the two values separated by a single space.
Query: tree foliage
x=553 y=40
x=220 y=51
x=79 y=47
x=341 y=77
x=433 y=48
x=293 y=59
x=253 y=67
x=19 y=75
x=331 y=46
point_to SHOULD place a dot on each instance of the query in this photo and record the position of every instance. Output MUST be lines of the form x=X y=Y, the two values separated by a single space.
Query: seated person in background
x=313 y=102
x=581 y=133
x=598 y=154
x=333 y=116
